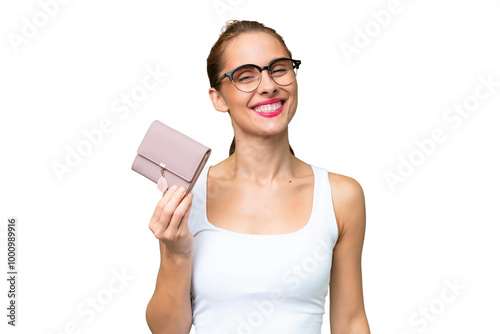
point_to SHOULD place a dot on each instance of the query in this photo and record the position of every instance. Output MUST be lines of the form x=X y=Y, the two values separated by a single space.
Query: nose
x=267 y=84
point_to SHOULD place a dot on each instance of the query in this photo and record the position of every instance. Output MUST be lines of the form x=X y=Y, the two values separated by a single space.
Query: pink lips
x=267 y=102
x=269 y=114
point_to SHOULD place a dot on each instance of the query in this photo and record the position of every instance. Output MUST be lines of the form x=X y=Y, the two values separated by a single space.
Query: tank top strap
x=324 y=211
x=196 y=215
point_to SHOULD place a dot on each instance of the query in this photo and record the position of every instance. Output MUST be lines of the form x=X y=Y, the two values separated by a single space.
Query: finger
x=180 y=212
x=181 y=203
x=183 y=225
x=167 y=195
x=154 y=223
x=169 y=209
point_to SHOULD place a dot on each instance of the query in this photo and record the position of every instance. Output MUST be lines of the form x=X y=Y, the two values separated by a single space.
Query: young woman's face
x=257 y=48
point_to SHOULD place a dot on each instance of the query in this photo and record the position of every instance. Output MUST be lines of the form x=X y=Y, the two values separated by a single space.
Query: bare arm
x=347 y=311
x=169 y=310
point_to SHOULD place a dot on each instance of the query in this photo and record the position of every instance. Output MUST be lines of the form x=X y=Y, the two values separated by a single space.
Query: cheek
x=241 y=100
x=293 y=107
x=294 y=97
x=234 y=100
x=294 y=91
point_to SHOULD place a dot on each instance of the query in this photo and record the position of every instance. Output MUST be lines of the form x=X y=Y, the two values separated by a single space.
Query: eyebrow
x=243 y=64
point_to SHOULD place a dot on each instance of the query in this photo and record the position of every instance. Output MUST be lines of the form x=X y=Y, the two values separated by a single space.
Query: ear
x=217 y=100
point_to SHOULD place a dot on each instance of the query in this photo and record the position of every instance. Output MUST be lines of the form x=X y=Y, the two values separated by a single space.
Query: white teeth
x=269 y=107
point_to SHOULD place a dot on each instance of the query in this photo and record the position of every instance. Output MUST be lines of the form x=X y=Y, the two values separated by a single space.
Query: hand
x=170 y=221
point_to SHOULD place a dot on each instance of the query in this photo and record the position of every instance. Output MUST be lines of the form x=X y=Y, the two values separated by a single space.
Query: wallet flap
x=171 y=149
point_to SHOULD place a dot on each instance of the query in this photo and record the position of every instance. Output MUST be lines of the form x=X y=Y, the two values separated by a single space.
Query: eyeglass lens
x=248 y=78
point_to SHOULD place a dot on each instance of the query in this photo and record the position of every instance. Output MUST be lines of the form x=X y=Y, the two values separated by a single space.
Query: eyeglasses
x=248 y=77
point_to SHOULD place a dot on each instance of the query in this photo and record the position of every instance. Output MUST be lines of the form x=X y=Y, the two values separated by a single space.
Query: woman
x=256 y=244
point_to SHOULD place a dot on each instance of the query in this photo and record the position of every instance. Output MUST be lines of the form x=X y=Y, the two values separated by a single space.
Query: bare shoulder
x=345 y=188
x=348 y=200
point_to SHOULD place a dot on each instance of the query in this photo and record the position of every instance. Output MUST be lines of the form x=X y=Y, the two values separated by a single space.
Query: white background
x=354 y=118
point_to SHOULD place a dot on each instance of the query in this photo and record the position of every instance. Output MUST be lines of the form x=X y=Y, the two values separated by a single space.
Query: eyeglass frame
x=229 y=74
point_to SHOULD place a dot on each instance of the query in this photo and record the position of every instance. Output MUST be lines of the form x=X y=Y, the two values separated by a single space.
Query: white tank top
x=260 y=284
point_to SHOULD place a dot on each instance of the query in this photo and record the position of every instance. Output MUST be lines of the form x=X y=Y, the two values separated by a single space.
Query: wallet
x=169 y=157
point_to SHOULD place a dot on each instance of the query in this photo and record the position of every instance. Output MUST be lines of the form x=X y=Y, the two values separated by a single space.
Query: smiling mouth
x=270 y=107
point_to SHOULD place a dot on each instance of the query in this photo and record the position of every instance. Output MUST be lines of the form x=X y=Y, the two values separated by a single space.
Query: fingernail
x=174 y=188
x=182 y=190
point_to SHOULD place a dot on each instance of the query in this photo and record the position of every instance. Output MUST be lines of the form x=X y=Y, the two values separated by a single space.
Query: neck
x=261 y=160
